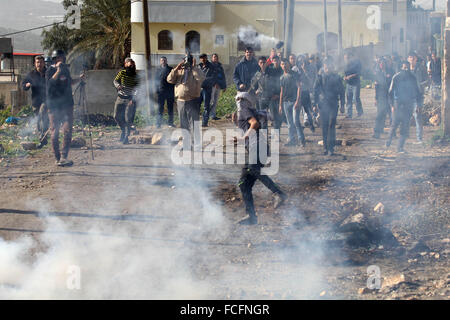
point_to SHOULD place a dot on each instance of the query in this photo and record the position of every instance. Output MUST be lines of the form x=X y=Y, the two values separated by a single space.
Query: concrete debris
x=140 y=139
x=379 y=208
x=157 y=138
x=435 y=120
x=28 y=146
x=78 y=142
x=394 y=280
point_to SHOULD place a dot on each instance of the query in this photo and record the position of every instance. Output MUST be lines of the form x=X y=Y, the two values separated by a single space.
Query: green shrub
x=226 y=103
x=5 y=114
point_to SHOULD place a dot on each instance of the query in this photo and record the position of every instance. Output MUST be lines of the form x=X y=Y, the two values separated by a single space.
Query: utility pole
x=290 y=27
x=340 y=31
x=148 y=62
x=325 y=28
x=445 y=111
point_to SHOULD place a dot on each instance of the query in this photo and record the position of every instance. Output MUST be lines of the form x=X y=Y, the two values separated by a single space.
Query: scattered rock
x=157 y=138
x=141 y=139
x=418 y=247
x=379 y=208
x=78 y=142
x=393 y=280
x=364 y=290
x=28 y=146
x=346 y=142
x=435 y=120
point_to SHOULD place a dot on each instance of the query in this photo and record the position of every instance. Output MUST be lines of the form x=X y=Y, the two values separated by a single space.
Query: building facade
x=227 y=27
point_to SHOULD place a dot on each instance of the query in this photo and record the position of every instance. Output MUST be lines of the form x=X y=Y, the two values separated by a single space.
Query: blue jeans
x=206 y=98
x=353 y=93
x=293 y=121
x=418 y=117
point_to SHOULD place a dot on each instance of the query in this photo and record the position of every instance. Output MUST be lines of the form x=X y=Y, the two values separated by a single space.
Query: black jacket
x=220 y=75
x=210 y=73
x=162 y=84
x=328 y=89
x=404 y=88
x=353 y=67
x=244 y=72
x=38 y=87
x=59 y=91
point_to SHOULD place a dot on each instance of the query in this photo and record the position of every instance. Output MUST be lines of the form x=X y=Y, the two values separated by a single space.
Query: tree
x=105 y=33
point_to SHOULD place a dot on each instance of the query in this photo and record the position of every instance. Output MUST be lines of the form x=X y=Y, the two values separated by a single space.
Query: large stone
x=435 y=120
x=140 y=139
x=78 y=142
x=28 y=146
x=157 y=138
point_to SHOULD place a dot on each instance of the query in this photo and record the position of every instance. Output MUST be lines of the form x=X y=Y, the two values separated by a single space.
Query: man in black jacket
x=220 y=83
x=165 y=92
x=210 y=73
x=245 y=70
x=328 y=91
x=36 y=81
x=353 y=84
x=60 y=105
x=404 y=92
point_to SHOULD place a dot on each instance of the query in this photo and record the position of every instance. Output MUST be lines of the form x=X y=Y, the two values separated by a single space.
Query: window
x=220 y=40
x=249 y=38
x=165 y=40
x=192 y=42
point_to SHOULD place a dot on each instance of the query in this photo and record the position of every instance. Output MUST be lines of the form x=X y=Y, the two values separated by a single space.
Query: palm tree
x=105 y=32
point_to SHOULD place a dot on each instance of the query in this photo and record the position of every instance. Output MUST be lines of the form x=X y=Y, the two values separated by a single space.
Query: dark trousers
x=383 y=109
x=402 y=117
x=249 y=175
x=305 y=99
x=62 y=117
x=169 y=98
x=189 y=112
x=328 y=114
x=124 y=114
x=206 y=98
x=353 y=93
x=42 y=120
x=273 y=107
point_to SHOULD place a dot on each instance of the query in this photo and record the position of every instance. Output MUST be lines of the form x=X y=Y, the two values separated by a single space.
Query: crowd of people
x=300 y=90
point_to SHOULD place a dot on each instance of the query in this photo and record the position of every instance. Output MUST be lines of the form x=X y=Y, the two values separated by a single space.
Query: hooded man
x=247 y=119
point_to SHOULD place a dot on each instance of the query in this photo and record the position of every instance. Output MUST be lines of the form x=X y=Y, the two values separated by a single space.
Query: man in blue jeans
x=290 y=100
x=421 y=75
x=353 y=84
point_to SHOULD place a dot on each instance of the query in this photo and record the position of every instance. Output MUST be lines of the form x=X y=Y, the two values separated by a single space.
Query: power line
x=57 y=23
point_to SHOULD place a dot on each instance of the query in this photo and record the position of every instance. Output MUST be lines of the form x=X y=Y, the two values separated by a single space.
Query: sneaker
x=122 y=136
x=325 y=152
x=348 y=117
x=291 y=143
x=418 y=142
x=65 y=163
x=204 y=125
x=125 y=140
x=216 y=118
x=278 y=199
x=360 y=115
x=306 y=123
x=171 y=125
x=312 y=128
x=249 y=220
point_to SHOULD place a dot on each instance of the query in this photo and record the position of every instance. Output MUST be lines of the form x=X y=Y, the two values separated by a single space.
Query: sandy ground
x=182 y=218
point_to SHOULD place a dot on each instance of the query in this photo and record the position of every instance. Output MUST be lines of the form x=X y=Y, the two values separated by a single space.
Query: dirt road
x=139 y=226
